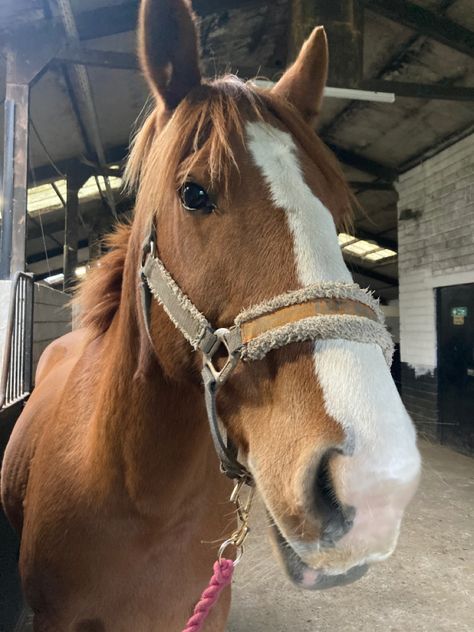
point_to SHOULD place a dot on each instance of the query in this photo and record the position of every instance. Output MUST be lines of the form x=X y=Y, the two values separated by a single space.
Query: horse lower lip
x=310 y=578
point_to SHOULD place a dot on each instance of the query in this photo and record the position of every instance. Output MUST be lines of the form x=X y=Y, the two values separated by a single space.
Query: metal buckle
x=220 y=376
x=148 y=250
x=239 y=536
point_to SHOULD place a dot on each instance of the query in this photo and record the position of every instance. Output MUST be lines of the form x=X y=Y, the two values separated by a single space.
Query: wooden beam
x=437 y=27
x=54 y=252
x=364 y=164
x=420 y=90
x=107 y=21
x=206 y=7
x=91 y=214
x=27 y=53
x=122 y=18
x=343 y=21
x=6 y=199
x=48 y=173
x=369 y=273
x=19 y=96
x=101 y=58
x=76 y=178
x=443 y=144
x=128 y=61
x=360 y=186
x=383 y=242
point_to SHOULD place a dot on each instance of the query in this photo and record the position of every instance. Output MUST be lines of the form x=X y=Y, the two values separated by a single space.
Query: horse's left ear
x=168 y=49
x=304 y=82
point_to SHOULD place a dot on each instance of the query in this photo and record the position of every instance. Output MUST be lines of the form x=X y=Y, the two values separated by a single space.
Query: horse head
x=245 y=201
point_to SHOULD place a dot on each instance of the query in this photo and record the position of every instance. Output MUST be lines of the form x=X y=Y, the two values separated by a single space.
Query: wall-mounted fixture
x=409 y=213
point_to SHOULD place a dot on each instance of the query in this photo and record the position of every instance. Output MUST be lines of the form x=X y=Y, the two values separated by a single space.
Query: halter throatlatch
x=317 y=312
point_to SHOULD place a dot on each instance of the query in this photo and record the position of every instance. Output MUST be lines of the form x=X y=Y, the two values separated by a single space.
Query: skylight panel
x=45 y=198
x=383 y=253
x=365 y=250
x=89 y=190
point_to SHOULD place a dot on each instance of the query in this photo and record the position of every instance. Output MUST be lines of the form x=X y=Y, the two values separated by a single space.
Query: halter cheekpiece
x=328 y=310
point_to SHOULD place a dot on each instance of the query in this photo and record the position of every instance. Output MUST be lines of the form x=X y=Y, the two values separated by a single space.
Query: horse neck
x=150 y=434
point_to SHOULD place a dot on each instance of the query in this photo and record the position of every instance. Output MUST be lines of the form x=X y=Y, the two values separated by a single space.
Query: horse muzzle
x=343 y=525
x=308 y=577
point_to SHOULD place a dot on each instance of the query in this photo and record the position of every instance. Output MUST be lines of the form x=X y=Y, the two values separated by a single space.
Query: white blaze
x=380 y=477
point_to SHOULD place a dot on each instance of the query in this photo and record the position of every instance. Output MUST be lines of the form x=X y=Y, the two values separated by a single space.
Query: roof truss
x=426 y=23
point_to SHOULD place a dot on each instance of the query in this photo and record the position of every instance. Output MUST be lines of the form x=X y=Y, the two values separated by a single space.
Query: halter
x=317 y=312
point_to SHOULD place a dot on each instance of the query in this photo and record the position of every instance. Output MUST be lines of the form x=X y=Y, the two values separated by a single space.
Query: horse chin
x=308 y=577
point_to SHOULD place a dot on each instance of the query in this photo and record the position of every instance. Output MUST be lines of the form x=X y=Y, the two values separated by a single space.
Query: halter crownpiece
x=322 y=311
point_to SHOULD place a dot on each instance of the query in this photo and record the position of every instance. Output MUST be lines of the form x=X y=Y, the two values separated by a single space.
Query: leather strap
x=156 y=281
x=280 y=312
x=251 y=329
x=225 y=449
x=192 y=324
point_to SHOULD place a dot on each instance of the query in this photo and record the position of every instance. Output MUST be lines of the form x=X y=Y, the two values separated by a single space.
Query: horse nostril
x=336 y=519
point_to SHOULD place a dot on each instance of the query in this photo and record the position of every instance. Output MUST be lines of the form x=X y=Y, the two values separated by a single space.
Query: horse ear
x=303 y=83
x=168 y=49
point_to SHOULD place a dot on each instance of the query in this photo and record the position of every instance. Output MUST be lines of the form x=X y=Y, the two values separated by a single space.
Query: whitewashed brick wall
x=435 y=250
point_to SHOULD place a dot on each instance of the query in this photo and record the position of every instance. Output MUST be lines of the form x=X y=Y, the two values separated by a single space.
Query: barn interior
x=398 y=107
x=88 y=93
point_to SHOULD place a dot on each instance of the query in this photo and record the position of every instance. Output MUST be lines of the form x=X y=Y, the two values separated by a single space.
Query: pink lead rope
x=224 y=568
x=222 y=577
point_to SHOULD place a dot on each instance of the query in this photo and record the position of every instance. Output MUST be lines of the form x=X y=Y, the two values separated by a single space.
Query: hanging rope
x=222 y=577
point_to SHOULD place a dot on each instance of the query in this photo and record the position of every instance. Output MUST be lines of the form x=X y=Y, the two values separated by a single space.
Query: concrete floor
x=427 y=585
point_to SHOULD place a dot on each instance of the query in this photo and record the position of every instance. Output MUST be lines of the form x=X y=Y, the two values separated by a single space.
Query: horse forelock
x=203 y=123
x=202 y=126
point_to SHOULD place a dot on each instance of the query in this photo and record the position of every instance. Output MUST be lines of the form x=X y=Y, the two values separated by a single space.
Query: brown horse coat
x=110 y=475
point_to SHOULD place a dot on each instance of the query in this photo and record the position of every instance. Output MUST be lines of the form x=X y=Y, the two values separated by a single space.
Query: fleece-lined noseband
x=317 y=312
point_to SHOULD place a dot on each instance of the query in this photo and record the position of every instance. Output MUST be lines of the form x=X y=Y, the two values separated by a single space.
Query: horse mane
x=98 y=296
x=160 y=161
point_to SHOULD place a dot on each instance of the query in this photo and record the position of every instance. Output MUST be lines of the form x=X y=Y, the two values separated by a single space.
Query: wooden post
x=20 y=96
x=6 y=198
x=15 y=172
x=98 y=229
x=76 y=178
x=343 y=21
x=28 y=52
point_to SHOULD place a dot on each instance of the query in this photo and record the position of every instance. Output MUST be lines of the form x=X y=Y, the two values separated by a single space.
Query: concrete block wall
x=52 y=318
x=436 y=249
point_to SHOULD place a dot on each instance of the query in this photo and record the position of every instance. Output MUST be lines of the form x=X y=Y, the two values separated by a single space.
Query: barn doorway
x=456 y=365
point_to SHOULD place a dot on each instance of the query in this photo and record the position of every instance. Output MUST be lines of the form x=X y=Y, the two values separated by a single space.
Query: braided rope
x=222 y=577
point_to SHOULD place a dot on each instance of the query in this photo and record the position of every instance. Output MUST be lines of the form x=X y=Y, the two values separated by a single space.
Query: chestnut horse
x=110 y=475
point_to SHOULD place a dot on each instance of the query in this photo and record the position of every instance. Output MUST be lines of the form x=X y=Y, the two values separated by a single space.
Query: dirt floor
x=427 y=586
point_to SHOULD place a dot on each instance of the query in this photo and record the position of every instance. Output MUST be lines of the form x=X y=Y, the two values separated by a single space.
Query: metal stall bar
x=16 y=381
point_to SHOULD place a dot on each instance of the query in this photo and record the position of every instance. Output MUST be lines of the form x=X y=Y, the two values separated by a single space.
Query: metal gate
x=17 y=371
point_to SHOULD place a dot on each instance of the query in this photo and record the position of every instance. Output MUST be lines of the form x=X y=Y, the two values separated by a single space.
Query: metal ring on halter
x=225 y=545
x=232 y=359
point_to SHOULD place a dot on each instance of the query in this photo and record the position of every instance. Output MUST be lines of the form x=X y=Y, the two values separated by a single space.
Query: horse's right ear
x=303 y=83
x=168 y=49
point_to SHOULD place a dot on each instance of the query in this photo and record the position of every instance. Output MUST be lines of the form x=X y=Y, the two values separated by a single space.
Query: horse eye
x=195 y=198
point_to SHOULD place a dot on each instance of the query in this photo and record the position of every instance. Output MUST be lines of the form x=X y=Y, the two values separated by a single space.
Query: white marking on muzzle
x=358 y=389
